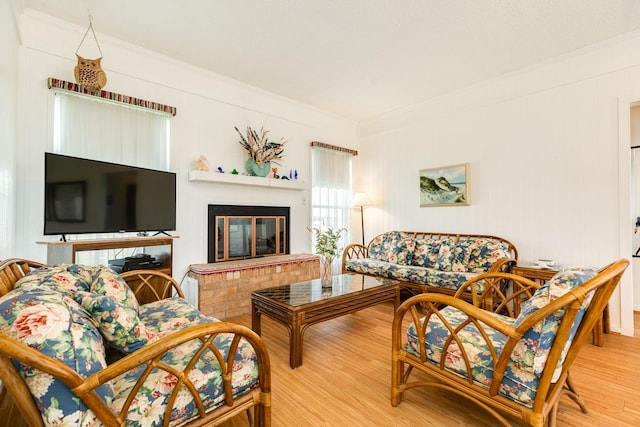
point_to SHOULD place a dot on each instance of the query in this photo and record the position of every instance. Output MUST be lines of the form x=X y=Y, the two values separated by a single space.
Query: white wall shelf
x=227 y=178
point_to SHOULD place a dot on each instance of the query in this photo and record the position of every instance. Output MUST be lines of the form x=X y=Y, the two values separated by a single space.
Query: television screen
x=90 y=196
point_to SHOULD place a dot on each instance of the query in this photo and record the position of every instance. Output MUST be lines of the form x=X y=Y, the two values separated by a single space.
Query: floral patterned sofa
x=77 y=348
x=428 y=262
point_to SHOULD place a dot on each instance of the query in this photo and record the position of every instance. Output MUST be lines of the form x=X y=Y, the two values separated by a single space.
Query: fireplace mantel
x=227 y=178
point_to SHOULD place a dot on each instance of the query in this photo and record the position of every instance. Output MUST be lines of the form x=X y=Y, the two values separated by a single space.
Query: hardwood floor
x=345 y=376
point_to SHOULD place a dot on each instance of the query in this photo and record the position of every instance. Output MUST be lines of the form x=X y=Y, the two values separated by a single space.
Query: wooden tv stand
x=66 y=252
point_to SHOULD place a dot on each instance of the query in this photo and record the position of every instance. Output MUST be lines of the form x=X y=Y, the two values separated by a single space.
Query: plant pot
x=326 y=271
x=255 y=169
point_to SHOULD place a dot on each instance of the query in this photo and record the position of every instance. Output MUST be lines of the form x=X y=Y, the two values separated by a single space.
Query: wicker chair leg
x=250 y=417
x=553 y=415
x=574 y=395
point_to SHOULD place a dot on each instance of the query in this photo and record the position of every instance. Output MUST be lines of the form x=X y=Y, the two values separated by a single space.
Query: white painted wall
x=8 y=101
x=209 y=106
x=544 y=156
x=635 y=200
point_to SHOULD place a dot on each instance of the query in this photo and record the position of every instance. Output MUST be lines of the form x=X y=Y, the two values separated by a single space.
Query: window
x=331 y=189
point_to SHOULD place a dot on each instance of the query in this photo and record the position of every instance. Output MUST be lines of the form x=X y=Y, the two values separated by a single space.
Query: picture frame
x=444 y=186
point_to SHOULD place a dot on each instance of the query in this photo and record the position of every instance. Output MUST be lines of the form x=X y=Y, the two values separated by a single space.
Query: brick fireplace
x=248 y=249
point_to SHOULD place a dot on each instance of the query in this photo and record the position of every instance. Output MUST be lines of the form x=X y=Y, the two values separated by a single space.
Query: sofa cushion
x=67 y=278
x=108 y=282
x=171 y=314
x=461 y=253
x=55 y=325
x=120 y=325
x=376 y=249
x=410 y=273
x=393 y=246
x=516 y=385
x=533 y=349
x=444 y=261
x=485 y=253
x=425 y=253
x=149 y=405
x=372 y=267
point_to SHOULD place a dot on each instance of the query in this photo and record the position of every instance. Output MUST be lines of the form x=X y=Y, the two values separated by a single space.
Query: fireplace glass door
x=240 y=237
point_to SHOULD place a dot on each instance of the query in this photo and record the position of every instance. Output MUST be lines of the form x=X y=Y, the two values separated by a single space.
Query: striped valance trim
x=112 y=96
x=333 y=147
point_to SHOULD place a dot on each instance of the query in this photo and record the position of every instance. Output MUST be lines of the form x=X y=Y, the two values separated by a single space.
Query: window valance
x=333 y=147
x=112 y=96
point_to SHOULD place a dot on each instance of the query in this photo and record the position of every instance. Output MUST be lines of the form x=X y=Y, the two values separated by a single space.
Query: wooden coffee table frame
x=298 y=318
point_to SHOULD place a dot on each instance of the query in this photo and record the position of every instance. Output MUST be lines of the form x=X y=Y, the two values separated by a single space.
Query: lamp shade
x=361 y=199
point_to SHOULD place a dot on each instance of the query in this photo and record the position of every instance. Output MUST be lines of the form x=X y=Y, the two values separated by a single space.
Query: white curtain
x=7 y=184
x=99 y=129
x=331 y=190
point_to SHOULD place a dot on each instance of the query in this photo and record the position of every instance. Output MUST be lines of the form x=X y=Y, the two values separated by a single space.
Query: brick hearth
x=224 y=288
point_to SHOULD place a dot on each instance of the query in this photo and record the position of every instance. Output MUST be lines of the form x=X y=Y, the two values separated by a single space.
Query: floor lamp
x=360 y=200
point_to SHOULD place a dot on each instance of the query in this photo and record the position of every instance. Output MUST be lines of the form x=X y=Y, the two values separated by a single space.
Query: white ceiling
x=355 y=58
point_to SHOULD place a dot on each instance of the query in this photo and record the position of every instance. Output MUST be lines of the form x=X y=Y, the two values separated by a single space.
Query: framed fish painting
x=445 y=186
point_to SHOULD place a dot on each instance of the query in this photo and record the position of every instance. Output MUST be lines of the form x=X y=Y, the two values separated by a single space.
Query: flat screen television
x=91 y=196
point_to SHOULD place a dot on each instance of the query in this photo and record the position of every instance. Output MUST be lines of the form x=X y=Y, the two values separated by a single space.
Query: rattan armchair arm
x=151 y=285
x=353 y=251
x=150 y=356
x=12 y=270
x=501 y=292
x=503 y=265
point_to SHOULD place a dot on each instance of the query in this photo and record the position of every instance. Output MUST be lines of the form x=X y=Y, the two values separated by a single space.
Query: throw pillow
x=444 y=262
x=533 y=349
x=119 y=324
x=376 y=247
x=401 y=251
x=425 y=253
x=485 y=253
x=461 y=253
x=67 y=278
x=109 y=283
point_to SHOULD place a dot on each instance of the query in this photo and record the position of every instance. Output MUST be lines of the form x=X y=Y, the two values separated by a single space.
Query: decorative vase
x=255 y=169
x=326 y=271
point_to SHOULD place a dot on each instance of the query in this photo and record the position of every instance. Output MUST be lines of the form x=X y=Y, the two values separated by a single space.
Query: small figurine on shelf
x=234 y=172
x=220 y=170
x=295 y=174
x=275 y=173
x=202 y=164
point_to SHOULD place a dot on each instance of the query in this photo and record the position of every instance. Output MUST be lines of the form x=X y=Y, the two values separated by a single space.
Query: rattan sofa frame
x=147 y=285
x=545 y=406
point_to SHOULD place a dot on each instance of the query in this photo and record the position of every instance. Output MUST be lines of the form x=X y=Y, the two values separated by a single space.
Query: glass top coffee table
x=300 y=305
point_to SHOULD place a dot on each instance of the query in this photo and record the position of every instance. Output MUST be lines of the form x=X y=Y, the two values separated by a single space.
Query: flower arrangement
x=259 y=148
x=326 y=241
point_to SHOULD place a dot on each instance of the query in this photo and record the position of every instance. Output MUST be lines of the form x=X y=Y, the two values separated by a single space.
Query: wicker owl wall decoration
x=88 y=72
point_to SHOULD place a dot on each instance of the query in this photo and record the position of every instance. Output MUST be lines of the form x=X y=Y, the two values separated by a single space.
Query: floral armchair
x=78 y=348
x=509 y=353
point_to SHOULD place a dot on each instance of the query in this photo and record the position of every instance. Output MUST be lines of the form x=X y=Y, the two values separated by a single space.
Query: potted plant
x=261 y=151
x=326 y=245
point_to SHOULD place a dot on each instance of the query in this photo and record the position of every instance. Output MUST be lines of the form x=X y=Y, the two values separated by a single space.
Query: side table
x=541 y=275
x=536 y=274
